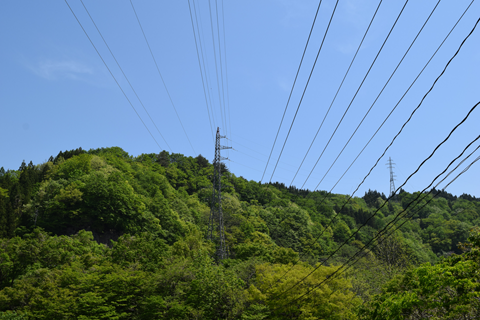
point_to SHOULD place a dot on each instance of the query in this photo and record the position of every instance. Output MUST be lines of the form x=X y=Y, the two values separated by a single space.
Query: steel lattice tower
x=216 y=214
x=390 y=165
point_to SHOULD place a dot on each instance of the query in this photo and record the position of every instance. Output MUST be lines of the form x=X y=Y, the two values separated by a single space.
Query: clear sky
x=56 y=93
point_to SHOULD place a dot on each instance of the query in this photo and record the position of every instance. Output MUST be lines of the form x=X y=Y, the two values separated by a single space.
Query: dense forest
x=101 y=234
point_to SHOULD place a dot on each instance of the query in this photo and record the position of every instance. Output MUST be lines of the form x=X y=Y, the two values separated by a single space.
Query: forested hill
x=100 y=234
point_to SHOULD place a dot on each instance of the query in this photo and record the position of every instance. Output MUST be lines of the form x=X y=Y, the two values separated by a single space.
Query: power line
x=304 y=90
x=338 y=90
x=128 y=81
x=380 y=232
x=244 y=165
x=399 y=215
x=249 y=141
x=200 y=36
x=226 y=69
x=412 y=215
x=336 y=272
x=374 y=214
x=378 y=53
x=380 y=93
x=461 y=162
x=361 y=84
x=371 y=169
x=409 y=216
x=216 y=65
x=413 y=112
x=161 y=77
x=236 y=142
x=113 y=76
x=247 y=147
x=221 y=65
x=293 y=86
x=200 y=66
x=248 y=155
x=400 y=131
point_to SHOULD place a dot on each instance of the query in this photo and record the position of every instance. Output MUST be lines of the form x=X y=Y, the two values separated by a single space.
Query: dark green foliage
x=468 y=197
x=371 y=198
x=444 y=194
x=201 y=161
x=163 y=159
x=67 y=154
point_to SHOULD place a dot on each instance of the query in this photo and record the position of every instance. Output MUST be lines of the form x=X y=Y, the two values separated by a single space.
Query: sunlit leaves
x=331 y=300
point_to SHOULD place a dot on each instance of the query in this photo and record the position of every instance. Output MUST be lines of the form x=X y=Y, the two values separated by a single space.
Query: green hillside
x=101 y=234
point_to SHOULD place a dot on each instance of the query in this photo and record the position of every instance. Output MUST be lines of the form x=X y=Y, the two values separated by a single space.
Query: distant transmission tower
x=216 y=214
x=390 y=165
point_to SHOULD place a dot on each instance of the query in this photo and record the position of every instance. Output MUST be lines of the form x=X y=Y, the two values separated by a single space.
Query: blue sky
x=56 y=93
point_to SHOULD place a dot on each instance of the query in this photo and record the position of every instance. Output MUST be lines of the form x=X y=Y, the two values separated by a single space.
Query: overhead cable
x=253 y=157
x=408 y=217
x=380 y=232
x=378 y=96
x=338 y=272
x=161 y=77
x=351 y=196
x=205 y=68
x=201 y=72
x=216 y=65
x=304 y=90
x=380 y=93
x=361 y=84
x=338 y=90
x=411 y=115
x=226 y=69
x=293 y=86
x=128 y=81
x=374 y=214
x=221 y=67
x=401 y=129
x=125 y=95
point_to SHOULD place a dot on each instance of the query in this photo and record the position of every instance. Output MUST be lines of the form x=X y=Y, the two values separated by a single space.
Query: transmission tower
x=216 y=231
x=390 y=165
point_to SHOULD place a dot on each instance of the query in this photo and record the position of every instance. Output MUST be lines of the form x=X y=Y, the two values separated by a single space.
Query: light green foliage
x=73 y=167
x=262 y=247
x=3 y=193
x=332 y=300
x=101 y=291
x=9 y=315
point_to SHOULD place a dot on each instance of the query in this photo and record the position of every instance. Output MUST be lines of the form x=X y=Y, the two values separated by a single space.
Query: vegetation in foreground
x=104 y=235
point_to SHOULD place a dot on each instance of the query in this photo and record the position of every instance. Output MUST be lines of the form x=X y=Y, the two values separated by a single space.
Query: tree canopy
x=101 y=234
